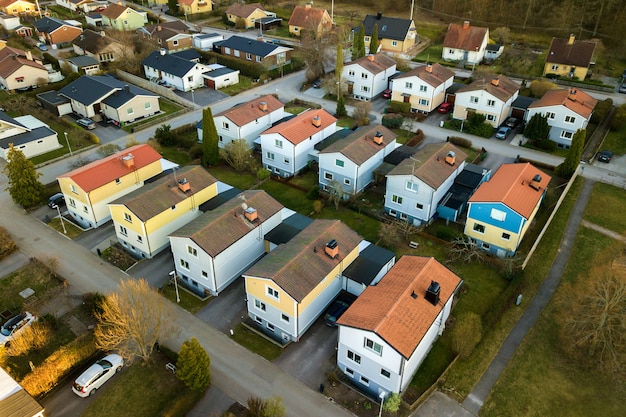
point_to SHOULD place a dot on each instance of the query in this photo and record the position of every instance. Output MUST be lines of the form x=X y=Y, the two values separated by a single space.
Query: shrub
x=93 y=301
x=51 y=60
x=196 y=151
x=393 y=120
x=399 y=107
x=545 y=144
x=33 y=337
x=459 y=141
x=314 y=193
x=417 y=139
x=392 y=403
x=446 y=233
x=361 y=113
x=601 y=110
x=194 y=365
x=484 y=130
x=7 y=244
x=164 y=135
x=92 y=138
x=262 y=174
x=467 y=333
x=618 y=122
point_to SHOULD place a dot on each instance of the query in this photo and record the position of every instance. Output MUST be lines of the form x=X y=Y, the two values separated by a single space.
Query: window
x=423 y=102
x=419 y=206
x=192 y=251
x=408 y=85
x=403 y=216
x=385 y=373
x=270 y=326
x=258 y=59
x=237 y=53
x=258 y=319
x=184 y=264
x=118 y=181
x=123 y=231
x=278 y=143
x=370 y=344
x=486 y=245
x=286 y=160
x=506 y=236
x=394 y=43
x=364 y=380
x=570 y=119
x=175 y=43
x=411 y=186
x=221 y=138
x=225 y=125
x=270 y=156
x=473 y=99
x=479 y=228
x=366 y=38
x=566 y=135
x=346 y=181
x=284 y=318
x=249 y=57
x=351 y=73
x=339 y=162
x=554 y=67
x=139 y=239
x=174 y=207
x=498 y=215
x=72 y=202
x=85 y=209
x=365 y=88
x=364 y=76
x=205 y=274
x=258 y=304
x=423 y=88
x=73 y=188
x=396 y=199
x=491 y=103
x=349 y=371
x=128 y=218
x=354 y=357
x=296 y=28
x=491 y=118
x=550 y=115
x=272 y=292
x=328 y=176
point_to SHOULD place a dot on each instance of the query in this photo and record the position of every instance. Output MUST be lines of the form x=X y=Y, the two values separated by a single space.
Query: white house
x=368 y=77
x=424 y=87
x=465 y=43
x=27 y=134
x=385 y=334
x=15 y=401
x=220 y=76
x=9 y=21
x=205 y=41
x=288 y=146
x=417 y=184
x=183 y=74
x=352 y=161
x=241 y=223
x=491 y=97
x=567 y=111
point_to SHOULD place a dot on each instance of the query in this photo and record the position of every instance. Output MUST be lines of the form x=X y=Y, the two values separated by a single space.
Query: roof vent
x=378 y=138
x=535 y=183
x=432 y=293
x=451 y=158
x=183 y=185
x=429 y=68
x=414 y=295
x=128 y=160
x=332 y=249
x=263 y=106
x=251 y=214
x=317 y=121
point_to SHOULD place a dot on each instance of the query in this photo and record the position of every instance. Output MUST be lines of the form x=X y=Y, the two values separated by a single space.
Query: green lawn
x=256 y=343
x=245 y=83
x=289 y=197
x=188 y=301
x=615 y=142
x=241 y=180
x=66 y=227
x=33 y=275
x=605 y=208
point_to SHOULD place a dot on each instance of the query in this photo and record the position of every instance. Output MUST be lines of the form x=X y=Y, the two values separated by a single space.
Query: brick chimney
x=570 y=41
x=183 y=185
x=370 y=57
x=495 y=82
x=429 y=68
x=251 y=214
x=263 y=106
x=450 y=158
x=572 y=94
x=128 y=160
x=378 y=138
x=466 y=24
x=332 y=249
x=317 y=121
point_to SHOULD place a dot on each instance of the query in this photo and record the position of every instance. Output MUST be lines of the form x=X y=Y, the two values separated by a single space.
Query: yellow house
x=394 y=34
x=188 y=7
x=144 y=218
x=569 y=58
x=290 y=287
x=89 y=189
x=248 y=12
x=17 y=7
x=309 y=18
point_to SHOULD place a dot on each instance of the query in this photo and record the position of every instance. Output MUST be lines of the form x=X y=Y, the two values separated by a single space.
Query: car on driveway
x=387 y=93
x=86 y=123
x=14 y=326
x=444 y=108
x=503 y=132
x=317 y=83
x=56 y=200
x=511 y=122
x=97 y=374
x=42 y=46
x=335 y=311
x=605 y=156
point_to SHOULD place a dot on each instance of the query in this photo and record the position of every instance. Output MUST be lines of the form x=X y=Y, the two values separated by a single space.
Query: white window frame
x=396 y=199
x=271 y=292
x=411 y=186
x=192 y=251
x=259 y=305
x=373 y=346
x=423 y=88
x=550 y=115
x=354 y=357
x=498 y=215
x=570 y=119
x=473 y=99
x=477 y=227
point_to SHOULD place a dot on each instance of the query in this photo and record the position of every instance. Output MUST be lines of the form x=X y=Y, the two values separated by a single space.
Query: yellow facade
x=19 y=7
x=390 y=45
x=117 y=214
x=492 y=235
x=564 y=70
x=197 y=6
x=257 y=14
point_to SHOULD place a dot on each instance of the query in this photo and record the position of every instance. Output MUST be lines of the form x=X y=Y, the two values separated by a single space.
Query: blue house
x=454 y=203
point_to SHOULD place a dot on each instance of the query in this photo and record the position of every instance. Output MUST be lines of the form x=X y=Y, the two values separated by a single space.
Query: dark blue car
x=335 y=311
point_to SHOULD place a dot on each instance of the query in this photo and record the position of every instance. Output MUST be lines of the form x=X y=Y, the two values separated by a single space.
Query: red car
x=387 y=93
x=445 y=108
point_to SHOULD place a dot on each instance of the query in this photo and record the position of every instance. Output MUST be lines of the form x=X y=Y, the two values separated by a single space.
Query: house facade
x=289 y=288
x=385 y=335
x=424 y=87
x=126 y=105
x=99 y=46
x=9 y=22
x=144 y=218
x=121 y=17
x=395 y=35
x=417 y=184
x=491 y=97
x=263 y=53
x=309 y=18
x=567 y=110
x=465 y=43
x=205 y=41
x=286 y=147
x=188 y=7
x=89 y=189
x=17 y=7
x=246 y=13
x=351 y=161
x=183 y=74
x=171 y=36
x=501 y=210
x=20 y=70
x=27 y=134
x=569 y=58
x=368 y=77
x=56 y=31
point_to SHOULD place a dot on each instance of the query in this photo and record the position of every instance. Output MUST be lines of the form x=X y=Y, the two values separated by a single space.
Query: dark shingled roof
x=83 y=61
x=53 y=97
x=500 y=86
x=219 y=72
x=289 y=228
x=89 y=89
x=49 y=24
x=26 y=137
x=188 y=54
x=359 y=146
x=388 y=27
x=577 y=53
x=368 y=264
x=250 y=46
x=170 y=63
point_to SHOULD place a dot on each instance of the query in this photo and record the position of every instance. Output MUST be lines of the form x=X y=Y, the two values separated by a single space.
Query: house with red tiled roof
x=368 y=77
x=424 y=87
x=385 y=335
x=309 y=18
x=144 y=218
x=247 y=13
x=89 y=189
x=417 y=184
x=209 y=265
x=189 y=7
x=465 y=43
x=567 y=110
x=569 y=58
x=501 y=210
x=120 y=17
x=288 y=146
x=19 y=69
x=492 y=97
x=288 y=289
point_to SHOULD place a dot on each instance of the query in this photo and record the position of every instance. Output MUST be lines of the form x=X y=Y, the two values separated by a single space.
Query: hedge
x=459 y=141
x=393 y=120
x=249 y=69
x=399 y=107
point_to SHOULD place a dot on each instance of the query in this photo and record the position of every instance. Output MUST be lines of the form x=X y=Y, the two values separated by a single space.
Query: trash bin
x=441 y=123
x=321 y=388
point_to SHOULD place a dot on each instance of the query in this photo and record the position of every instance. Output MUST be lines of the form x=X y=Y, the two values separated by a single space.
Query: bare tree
x=237 y=154
x=389 y=235
x=465 y=250
x=335 y=192
x=133 y=319
x=314 y=51
x=361 y=113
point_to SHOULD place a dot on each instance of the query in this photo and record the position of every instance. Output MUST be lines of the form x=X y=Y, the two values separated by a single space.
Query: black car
x=56 y=200
x=511 y=122
x=335 y=311
x=317 y=84
x=605 y=156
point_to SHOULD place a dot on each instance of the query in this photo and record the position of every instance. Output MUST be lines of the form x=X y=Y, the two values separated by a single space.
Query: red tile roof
x=390 y=310
x=510 y=185
x=360 y=146
x=106 y=170
x=9 y=65
x=576 y=100
x=501 y=87
x=374 y=63
x=301 y=127
x=464 y=37
x=433 y=74
x=571 y=52
x=245 y=113
x=307 y=17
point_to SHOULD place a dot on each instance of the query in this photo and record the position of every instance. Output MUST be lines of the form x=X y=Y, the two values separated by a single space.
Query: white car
x=97 y=374
x=14 y=326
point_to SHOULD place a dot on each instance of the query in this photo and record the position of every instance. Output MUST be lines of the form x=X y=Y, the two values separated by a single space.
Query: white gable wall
x=229 y=131
x=561 y=131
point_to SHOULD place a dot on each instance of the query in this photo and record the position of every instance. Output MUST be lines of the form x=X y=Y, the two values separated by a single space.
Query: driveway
x=202 y=97
x=225 y=311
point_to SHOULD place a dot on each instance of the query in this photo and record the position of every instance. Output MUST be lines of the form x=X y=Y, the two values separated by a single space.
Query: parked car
x=335 y=311
x=97 y=374
x=444 y=108
x=512 y=122
x=14 y=326
x=317 y=84
x=42 y=46
x=56 y=200
x=503 y=132
x=622 y=88
x=86 y=123
x=387 y=93
x=605 y=156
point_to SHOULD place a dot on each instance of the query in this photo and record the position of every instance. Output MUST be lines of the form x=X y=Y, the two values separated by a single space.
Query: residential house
x=493 y=51
x=103 y=96
x=286 y=148
x=20 y=70
x=55 y=103
x=368 y=268
x=9 y=22
x=424 y=87
x=84 y=6
x=24 y=31
x=172 y=36
x=122 y=17
x=188 y=7
x=267 y=54
x=144 y=218
x=368 y=77
x=208 y=265
x=84 y=64
x=183 y=74
x=385 y=335
x=245 y=15
x=417 y=184
x=290 y=287
x=247 y=120
x=465 y=43
x=491 y=97
x=56 y=31
x=89 y=189
x=205 y=41
x=17 y=7
x=101 y=47
x=452 y=206
x=351 y=162
x=567 y=111
x=27 y=134
x=15 y=401
x=309 y=18
x=395 y=35
x=501 y=210
x=220 y=76
x=569 y=58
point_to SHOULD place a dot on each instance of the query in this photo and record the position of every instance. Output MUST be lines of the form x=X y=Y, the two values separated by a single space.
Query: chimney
x=432 y=293
x=370 y=57
x=183 y=185
x=119 y=2
x=159 y=28
x=451 y=158
x=332 y=249
x=379 y=15
x=250 y=214
x=429 y=68
x=572 y=94
x=466 y=24
x=263 y=106
x=535 y=182
x=317 y=121
x=162 y=51
x=495 y=82
x=29 y=55
x=378 y=138
x=307 y=6
x=128 y=160
x=570 y=41
x=126 y=87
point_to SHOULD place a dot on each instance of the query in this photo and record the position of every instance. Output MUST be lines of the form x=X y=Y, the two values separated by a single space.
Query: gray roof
x=188 y=54
x=289 y=228
x=53 y=97
x=90 y=89
x=49 y=24
x=368 y=264
x=219 y=72
x=522 y=102
x=388 y=27
x=248 y=45
x=83 y=61
x=123 y=96
x=169 y=63
x=208 y=35
x=8 y=119
x=27 y=137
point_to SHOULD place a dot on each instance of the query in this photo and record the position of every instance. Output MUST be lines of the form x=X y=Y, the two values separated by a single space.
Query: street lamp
x=61 y=218
x=68 y=143
x=382 y=396
x=193 y=99
x=173 y=274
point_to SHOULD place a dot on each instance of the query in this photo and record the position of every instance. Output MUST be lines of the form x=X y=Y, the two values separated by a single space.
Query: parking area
x=202 y=96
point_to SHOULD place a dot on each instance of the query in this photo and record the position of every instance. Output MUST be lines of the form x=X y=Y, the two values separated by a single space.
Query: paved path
x=603 y=230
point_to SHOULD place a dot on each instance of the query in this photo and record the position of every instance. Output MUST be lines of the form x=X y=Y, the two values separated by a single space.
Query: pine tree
x=374 y=40
x=210 y=148
x=537 y=127
x=24 y=186
x=194 y=365
x=569 y=165
x=341 y=106
x=359 y=44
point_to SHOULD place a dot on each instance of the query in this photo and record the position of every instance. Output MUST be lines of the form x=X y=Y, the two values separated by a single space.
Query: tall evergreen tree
x=569 y=165
x=194 y=365
x=537 y=127
x=341 y=104
x=374 y=40
x=210 y=139
x=24 y=186
x=359 y=44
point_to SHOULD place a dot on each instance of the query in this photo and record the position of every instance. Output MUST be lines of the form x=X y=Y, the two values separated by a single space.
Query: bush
x=92 y=138
x=33 y=337
x=446 y=233
x=393 y=120
x=459 y=141
x=51 y=60
x=7 y=244
x=392 y=403
x=417 y=139
x=314 y=193
x=618 y=122
x=164 y=135
x=361 y=113
x=262 y=174
x=545 y=144
x=196 y=151
x=93 y=301
x=399 y=107
x=484 y=130
x=466 y=334
x=601 y=110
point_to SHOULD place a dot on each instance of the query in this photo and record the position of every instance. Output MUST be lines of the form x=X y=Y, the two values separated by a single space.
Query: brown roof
x=103 y=171
x=301 y=264
x=9 y=65
x=374 y=63
x=91 y=41
x=432 y=74
x=390 y=310
x=510 y=186
x=500 y=87
x=307 y=17
x=576 y=53
x=243 y=10
x=429 y=165
x=5 y=3
x=246 y=112
x=228 y=221
x=113 y=11
x=576 y=100
x=161 y=195
x=301 y=127
x=464 y=37
x=175 y=26
x=360 y=146
x=186 y=2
